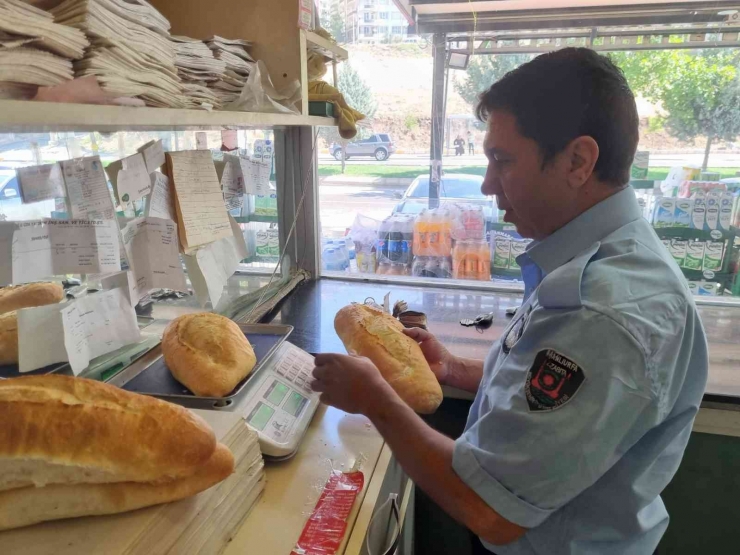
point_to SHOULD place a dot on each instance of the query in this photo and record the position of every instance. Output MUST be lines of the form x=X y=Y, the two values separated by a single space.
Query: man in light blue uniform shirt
x=585 y=404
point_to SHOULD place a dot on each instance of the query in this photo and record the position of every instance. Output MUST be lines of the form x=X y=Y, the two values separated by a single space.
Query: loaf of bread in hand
x=72 y=447
x=9 y=338
x=374 y=334
x=207 y=353
x=29 y=295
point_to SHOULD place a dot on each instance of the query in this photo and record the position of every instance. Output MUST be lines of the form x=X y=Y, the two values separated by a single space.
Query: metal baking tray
x=150 y=376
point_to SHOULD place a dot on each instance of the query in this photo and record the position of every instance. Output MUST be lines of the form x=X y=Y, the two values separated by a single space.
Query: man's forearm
x=426 y=456
x=465 y=374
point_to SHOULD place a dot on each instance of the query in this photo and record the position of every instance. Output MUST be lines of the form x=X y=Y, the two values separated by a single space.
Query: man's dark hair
x=566 y=94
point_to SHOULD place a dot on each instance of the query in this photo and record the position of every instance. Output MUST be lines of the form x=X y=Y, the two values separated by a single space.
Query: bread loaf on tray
x=29 y=295
x=374 y=334
x=72 y=447
x=207 y=353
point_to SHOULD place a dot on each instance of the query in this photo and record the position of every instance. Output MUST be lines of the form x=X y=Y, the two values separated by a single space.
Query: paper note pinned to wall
x=199 y=204
x=87 y=189
x=160 y=203
x=232 y=183
x=153 y=256
x=56 y=247
x=153 y=152
x=41 y=325
x=39 y=183
x=129 y=177
x=210 y=267
x=229 y=140
x=96 y=325
x=201 y=140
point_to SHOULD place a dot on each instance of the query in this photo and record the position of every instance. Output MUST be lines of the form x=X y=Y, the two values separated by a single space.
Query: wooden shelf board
x=326 y=47
x=28 y=116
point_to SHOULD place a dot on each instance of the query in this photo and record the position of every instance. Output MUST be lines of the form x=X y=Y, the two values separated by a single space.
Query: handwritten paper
x=153 y=155
x=96 y=325
x=87 y=189
x=40 y=326
x=40 y=182
x=210 y=267
x=56 y=247
x=160 y=203
x=153 y=256
x=199 y=204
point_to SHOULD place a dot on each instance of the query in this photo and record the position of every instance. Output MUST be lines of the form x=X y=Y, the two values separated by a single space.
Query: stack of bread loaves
x=13 y=298
x=377 y=335
x=72 y=447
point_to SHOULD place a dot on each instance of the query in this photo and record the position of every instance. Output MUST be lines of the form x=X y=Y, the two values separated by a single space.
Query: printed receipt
x=76 y=331
x=159 y=204
x=153 y=256
x=201 y=214
x=55 y=247
x=41 y=182
x=87 y=189
x=96 y=325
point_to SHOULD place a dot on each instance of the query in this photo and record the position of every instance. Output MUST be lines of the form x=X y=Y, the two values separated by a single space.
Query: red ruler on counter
x=324 y=531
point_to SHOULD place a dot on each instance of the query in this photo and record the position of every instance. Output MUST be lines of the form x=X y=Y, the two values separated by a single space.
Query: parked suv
x=380 y=146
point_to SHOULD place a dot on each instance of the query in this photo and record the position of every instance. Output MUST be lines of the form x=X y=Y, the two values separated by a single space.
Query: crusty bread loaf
x=207 y=353
x=379 y=336
x=9 y=338
x=64 y=430
x=14 y=297
x=29 y=505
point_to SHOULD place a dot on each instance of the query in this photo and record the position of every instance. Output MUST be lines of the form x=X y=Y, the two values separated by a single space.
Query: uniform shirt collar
x=586 y=229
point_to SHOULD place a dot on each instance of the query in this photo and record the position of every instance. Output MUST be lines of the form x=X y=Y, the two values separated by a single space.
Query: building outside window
x=383 y=15
x=368 y=16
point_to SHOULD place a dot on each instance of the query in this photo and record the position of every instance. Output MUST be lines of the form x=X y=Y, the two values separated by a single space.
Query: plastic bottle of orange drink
x=471 y=260
x=484 y=262
x=421 y=233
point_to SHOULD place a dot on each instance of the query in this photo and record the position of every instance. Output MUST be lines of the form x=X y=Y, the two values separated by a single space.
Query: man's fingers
x=418 y=334
x=319 y=372
x=318 y=385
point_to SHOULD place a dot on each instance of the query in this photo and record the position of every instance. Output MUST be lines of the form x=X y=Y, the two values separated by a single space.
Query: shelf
x=27 y=116
x=691 y=233
x=256 y=218
x=326 y=47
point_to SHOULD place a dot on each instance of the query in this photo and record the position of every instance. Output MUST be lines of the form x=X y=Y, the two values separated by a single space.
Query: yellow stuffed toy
x=321 y=91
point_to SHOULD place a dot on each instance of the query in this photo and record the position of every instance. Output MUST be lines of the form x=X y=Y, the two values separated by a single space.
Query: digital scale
x=275 y=400
x=279 y=403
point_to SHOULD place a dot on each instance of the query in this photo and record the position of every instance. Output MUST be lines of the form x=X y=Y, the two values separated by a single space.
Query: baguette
x=207 y=353
x=30 y=505
x=9 y=338
x=379 y=336
x=14 y=297
x=63 y=430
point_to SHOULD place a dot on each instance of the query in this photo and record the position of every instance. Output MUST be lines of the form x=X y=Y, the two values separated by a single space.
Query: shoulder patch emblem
x=552 y=381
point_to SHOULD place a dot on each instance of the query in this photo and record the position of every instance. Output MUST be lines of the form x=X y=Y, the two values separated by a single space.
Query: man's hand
x=440 y=360
x=463 y=373
x=350 y=383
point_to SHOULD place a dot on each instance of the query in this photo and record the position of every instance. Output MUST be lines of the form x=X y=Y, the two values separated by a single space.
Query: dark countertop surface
x=311 y=309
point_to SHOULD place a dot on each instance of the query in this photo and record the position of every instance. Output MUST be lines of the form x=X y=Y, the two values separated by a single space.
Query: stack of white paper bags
x=197 y=67
x=131 y=52
x=34 y=50
x=233 y=52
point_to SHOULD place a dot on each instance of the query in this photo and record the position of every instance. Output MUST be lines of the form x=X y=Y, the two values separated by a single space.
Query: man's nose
x=491 y=184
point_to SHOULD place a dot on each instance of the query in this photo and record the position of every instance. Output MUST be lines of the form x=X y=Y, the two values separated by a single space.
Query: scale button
x=300 y=380
x=280 y=370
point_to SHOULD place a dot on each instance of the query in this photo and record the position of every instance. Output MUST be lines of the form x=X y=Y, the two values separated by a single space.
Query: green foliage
x=411 y=122
x=484 y=71
x=335 y=24
x=698 y=90
x=356 y=92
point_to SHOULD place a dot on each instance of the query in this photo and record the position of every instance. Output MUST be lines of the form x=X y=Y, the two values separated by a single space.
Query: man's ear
x=583 y=152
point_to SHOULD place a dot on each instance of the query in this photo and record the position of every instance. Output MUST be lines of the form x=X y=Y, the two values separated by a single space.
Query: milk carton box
x=712 y=215
x=708 y=289
x=694 y=287
x=683 y=212
x=678 y=248
x=261 y=244
x=725 y=210
x=666 y=243
x=694 y=255
x=517 y=248
x=698 y=214
x=502 y=252
x=713 y=255
x=663 y=215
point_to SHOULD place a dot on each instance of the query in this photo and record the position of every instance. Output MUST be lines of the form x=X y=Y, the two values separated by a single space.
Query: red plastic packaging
x=326 y=526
